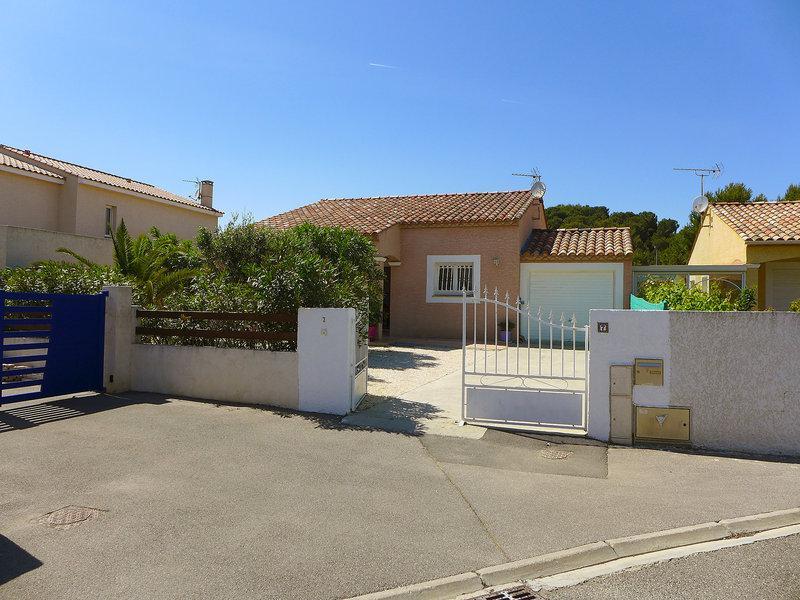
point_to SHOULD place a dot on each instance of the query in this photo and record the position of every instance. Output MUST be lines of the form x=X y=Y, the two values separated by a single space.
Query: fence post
x=119 y=338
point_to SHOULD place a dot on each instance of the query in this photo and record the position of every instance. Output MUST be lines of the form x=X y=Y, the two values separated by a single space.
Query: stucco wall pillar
x=119 y=339
x=68 y=205
x=3 y=246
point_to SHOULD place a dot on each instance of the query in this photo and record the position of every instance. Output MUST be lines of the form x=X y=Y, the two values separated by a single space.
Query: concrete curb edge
x=586 y=556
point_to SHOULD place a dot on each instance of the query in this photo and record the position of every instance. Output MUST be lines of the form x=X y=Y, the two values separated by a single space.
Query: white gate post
x=326 y=359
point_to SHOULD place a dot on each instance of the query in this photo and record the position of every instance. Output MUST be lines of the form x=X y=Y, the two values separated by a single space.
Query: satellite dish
x=699 y=205
x=538 y=189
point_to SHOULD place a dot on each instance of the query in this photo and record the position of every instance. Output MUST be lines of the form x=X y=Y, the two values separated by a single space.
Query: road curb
x=756 y=523
x=671 y=538
x=447 y=587
x=587 y=555
x=548 y=564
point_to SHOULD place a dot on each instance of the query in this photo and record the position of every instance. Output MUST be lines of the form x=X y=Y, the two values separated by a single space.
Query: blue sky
x=283 y=103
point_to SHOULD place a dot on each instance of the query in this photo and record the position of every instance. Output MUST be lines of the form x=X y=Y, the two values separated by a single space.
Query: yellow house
x=46 y=203
x=765 y=235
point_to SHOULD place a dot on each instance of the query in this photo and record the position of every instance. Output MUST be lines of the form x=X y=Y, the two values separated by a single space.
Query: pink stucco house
x=434 y=246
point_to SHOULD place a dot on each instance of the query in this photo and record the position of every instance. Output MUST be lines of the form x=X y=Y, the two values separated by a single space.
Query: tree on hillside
x=654 y=240
x=733 y=192
x=575 y=216
x=792 y=194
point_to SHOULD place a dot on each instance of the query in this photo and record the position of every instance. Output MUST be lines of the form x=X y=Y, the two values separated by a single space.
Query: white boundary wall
x=224 y=374
x=737 y=372
x=319 y=377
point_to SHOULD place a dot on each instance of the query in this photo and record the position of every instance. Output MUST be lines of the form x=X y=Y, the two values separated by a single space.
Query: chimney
x=207 y=193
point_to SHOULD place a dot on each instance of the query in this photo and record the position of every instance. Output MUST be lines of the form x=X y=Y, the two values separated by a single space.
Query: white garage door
x=574 y=289
x=783 y=284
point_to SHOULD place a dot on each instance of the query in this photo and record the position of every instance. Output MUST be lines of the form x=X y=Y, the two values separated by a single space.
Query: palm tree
x=144 y=259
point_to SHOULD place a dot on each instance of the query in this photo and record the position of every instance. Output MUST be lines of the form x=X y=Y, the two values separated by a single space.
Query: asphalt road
x=768 y=570
x=204 y=501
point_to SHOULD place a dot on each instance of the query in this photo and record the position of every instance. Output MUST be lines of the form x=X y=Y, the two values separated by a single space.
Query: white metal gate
x=511 y=380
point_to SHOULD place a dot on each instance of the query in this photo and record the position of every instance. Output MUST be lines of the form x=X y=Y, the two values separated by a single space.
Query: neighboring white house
x=46 y=203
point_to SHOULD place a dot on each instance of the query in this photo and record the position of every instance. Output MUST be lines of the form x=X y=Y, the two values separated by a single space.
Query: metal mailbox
x=648 y=371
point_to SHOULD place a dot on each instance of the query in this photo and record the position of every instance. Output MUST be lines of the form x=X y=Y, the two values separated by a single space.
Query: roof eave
x=771 y=242
x=121 y=190
x=32 y=174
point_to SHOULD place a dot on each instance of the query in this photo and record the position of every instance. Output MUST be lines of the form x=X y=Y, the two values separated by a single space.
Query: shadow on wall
x=33 y=415
x=14 y=561
x=400 y=360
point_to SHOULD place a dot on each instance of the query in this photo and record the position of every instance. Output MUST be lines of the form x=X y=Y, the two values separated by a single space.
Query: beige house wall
x=39 y=214
x=21 y=246
x=140 y=214
x=29 y=202
x=717 y=243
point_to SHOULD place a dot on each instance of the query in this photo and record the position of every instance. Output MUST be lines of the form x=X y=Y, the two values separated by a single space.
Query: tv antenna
x=538 y=188
x=196 y=182
x=702 y=173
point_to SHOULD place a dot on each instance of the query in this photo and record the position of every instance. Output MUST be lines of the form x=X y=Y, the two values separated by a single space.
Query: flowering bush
x=679 y=297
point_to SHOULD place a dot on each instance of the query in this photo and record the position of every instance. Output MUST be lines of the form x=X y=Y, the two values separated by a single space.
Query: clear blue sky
x=280 y=105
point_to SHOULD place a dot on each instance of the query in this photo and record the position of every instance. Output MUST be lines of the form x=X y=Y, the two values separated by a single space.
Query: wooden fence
x=255 y=327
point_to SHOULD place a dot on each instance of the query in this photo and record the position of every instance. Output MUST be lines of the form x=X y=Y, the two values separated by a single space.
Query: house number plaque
x=602 y=327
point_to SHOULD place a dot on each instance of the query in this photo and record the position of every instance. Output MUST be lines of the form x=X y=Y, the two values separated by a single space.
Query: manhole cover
x=67 y=517
x=522 y=592
x=555 y=454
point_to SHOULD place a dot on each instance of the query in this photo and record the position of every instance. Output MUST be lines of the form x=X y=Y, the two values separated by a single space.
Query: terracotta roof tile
x=373 y=215
x=762 y=221
x=101 y=177
x=10 y=161
x=558 y=244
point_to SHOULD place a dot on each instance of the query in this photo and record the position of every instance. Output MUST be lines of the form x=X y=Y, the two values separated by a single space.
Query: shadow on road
x=35 y=414
x=14 y=561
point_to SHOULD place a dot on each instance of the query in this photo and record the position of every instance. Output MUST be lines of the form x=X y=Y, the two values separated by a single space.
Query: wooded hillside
x=655 y=241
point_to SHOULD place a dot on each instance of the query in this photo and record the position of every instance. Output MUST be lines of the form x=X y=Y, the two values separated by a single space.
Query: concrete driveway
x=415 y=387
x=188 y=499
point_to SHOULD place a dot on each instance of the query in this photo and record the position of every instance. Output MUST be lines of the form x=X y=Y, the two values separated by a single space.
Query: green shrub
x=53 y=277
x=679 y=297
x=241 y=268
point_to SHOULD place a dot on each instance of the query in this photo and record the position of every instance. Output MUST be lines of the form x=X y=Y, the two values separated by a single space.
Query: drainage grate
x=554 y=454
x=522 y=592
x=69 y=516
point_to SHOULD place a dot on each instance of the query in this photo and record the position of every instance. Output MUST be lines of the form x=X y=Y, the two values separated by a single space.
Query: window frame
x=434 y=262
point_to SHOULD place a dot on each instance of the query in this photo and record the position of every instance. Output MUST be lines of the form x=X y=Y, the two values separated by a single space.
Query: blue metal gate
x=51 y=344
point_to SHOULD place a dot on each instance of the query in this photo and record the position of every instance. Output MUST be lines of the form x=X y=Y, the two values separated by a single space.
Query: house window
x=111 y=220
x=449 y=276
x=454 y=278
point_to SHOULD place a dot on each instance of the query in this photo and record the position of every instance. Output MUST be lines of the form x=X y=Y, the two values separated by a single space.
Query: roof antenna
x=196 y=182
x=700 y=203
x=538 y=188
